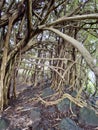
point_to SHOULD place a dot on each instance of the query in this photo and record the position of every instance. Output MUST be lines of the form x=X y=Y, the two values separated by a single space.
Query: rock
x=47 y=92
x=88 y=117
x=36 y=117
x=68 y=124
x=35 y=114
x=64 y=105
x=94 y=101
x=74 y=94
x=4 y=123
x=35 y=126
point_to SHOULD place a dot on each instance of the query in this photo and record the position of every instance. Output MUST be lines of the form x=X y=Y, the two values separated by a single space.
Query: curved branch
x=79 y=46
x=18 y=12
x=73 y=18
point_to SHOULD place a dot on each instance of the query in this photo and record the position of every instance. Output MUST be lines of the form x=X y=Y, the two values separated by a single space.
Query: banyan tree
x=57 y=39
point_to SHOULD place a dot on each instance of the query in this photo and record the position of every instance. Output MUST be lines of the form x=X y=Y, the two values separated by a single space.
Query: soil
x=19 y=110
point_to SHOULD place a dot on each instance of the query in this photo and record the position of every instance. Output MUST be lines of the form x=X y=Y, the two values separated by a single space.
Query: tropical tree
x=56 y=37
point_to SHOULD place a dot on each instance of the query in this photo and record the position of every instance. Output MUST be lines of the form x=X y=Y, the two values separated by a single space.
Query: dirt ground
x=19 y=111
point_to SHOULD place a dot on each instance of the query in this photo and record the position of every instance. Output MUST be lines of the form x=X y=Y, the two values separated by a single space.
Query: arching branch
x=79 y=46
x=73 y=18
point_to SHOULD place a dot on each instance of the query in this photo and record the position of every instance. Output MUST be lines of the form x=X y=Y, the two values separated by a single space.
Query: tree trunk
x=4 y=64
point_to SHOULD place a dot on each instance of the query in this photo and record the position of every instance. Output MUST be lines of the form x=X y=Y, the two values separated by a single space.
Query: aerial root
x=66 y=95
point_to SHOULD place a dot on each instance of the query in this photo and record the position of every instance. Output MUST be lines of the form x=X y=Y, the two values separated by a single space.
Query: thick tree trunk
x=5 y=84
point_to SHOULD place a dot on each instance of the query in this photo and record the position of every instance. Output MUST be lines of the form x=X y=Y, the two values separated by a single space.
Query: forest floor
x=26 y=112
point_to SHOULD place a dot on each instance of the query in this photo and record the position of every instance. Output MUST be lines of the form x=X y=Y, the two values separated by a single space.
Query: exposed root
x=66 y=95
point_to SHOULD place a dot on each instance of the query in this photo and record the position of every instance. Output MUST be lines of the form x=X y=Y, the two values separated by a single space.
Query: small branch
x=37 y=15
x=42 y=58
x=74 y=18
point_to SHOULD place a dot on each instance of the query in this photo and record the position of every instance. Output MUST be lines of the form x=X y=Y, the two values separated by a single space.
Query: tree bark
x=80 y=47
